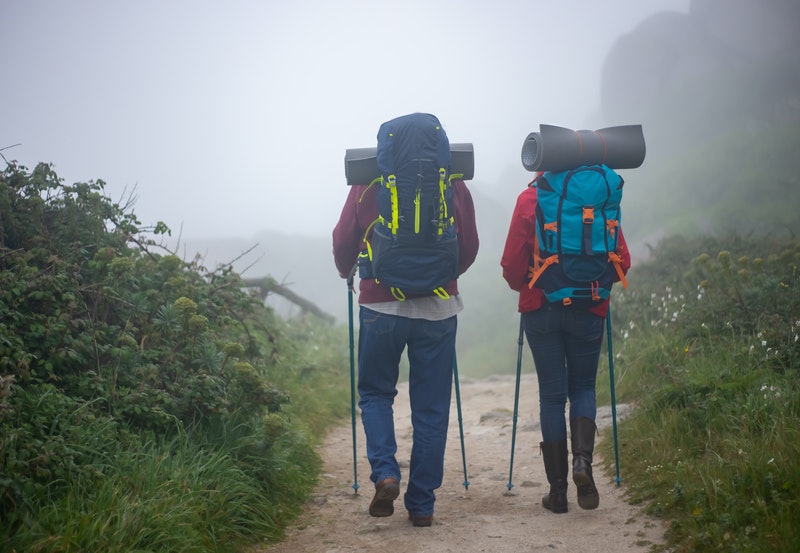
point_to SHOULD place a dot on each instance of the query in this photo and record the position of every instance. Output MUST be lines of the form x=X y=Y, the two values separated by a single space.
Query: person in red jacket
x=426 y=326
x=565 y=342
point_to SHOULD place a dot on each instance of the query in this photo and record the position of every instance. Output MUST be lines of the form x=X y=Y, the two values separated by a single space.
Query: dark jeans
x=565 y=343
x=431 y=349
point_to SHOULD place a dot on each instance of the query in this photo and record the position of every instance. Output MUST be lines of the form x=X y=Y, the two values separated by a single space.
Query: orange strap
x=616 y=260
x=540 y=265
x=612 y=225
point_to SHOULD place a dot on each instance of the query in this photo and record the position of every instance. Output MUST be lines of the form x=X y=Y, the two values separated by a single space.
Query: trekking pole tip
x=355 y=488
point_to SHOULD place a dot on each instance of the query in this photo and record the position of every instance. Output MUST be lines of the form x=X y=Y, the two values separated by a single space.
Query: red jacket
x=518 y=253
x=359 y=212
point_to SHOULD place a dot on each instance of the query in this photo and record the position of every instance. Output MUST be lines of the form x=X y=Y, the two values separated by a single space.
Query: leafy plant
x=144 y=402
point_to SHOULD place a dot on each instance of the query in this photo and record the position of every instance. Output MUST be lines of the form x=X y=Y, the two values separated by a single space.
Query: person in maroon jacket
x=565 y=342
x=427 y=327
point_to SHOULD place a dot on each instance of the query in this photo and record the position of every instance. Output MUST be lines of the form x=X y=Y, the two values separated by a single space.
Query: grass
x=707 y=348
x=185 y=495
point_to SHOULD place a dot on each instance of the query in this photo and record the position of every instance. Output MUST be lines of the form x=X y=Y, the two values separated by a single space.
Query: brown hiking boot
x=420 y=521
x=386 y=492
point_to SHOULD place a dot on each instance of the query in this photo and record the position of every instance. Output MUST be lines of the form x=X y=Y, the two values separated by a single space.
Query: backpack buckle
x=588 y=215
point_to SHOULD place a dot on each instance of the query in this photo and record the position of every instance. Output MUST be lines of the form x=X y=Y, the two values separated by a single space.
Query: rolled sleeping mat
x=361 y=164
x=559 y=149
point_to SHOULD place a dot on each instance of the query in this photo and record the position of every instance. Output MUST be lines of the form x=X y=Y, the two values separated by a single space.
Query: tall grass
x=706 y=346
x=189 y=494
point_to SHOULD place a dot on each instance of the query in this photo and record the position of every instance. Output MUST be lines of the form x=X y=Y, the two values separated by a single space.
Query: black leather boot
x=582 y=434
x=556 y=466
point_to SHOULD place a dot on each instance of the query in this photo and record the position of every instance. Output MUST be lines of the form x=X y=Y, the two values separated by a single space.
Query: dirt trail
x=486 y=516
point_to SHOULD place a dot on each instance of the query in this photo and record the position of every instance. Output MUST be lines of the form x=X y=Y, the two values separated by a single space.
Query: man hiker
x=394 y=315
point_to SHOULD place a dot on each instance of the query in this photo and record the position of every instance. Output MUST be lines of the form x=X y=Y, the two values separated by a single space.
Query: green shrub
x=145 y=402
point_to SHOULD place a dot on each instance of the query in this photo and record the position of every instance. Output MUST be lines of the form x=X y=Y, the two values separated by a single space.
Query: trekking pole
x=613 y=394
x=350 y=278
x=516 y=404
x=460 y=421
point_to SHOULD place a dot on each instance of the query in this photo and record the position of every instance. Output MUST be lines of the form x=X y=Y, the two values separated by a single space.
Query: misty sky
x=228 y=118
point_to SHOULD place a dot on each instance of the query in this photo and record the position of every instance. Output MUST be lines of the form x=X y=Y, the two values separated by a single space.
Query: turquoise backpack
x=578 y=223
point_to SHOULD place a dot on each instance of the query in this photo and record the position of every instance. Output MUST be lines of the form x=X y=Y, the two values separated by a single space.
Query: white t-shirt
x=429 y=308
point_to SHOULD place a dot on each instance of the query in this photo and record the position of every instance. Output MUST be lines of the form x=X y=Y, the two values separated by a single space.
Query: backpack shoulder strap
x=539 y=264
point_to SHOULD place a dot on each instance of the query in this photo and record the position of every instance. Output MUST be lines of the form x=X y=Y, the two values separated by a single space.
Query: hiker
x=565 y=341
x=392 y=318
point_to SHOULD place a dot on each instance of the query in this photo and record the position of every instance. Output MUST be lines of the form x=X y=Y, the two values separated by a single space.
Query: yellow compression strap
x=391 y=184
x=361 y=198
x=417 y=211
x=398 y=294
x=442 y=202
x=448 y=218
x=442 y=293
x=366 y=233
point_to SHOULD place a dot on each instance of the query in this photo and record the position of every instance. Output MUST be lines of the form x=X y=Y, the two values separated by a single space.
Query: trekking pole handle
x=351 y=276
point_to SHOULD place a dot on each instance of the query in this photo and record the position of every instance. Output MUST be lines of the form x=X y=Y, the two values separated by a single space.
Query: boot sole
x=382 y=504
x=588 y=497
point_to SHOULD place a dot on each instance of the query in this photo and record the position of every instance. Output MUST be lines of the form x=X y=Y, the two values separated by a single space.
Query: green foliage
x=706 y=344
x=144 y=401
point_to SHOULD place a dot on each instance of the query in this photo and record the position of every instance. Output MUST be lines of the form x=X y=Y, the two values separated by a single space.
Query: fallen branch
x=267 y=285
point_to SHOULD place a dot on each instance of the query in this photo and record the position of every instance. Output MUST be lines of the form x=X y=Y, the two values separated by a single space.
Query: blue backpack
x=413 y=248
x=578 y=218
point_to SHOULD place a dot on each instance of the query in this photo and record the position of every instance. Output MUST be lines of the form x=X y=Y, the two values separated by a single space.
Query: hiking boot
x=420 y=521
x=386 y=492
x=556 y=467
x=582 y=431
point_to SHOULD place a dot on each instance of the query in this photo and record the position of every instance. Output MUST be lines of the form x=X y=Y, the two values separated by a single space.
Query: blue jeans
x=431 y=349
x=565 y=343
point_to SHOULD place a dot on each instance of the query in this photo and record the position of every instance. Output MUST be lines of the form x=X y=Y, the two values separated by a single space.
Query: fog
x=227 y=119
